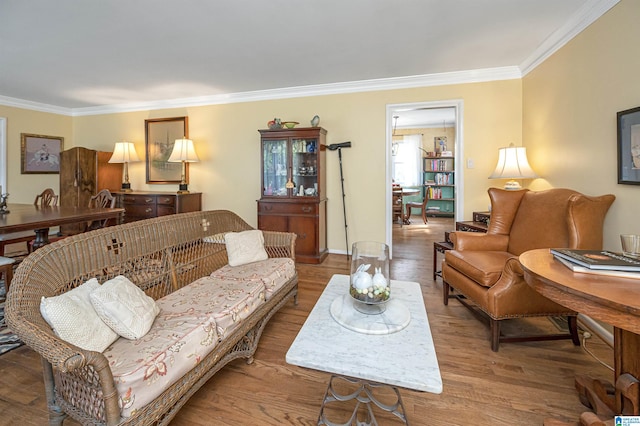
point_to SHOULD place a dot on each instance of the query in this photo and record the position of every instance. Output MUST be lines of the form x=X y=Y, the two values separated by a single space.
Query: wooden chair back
x=47 y=198
x=103 y=199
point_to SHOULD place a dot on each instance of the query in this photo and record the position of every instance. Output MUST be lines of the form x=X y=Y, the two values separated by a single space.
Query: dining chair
x=397 y=201
x=422 y=205
x=103 y=199
x=46 y=198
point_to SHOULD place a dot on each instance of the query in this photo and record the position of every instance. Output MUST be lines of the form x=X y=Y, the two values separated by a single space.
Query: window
x=406 y=164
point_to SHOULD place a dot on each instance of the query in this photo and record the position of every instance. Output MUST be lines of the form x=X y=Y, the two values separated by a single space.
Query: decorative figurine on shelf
x=276 y=123
x=315 y=121
x=3 y=203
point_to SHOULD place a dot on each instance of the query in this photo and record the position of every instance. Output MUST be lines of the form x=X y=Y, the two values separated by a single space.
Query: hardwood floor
x=522 y=384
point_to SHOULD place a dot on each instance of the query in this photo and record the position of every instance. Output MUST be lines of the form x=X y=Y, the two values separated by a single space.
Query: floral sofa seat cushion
x=191 y=322
x=273 y=273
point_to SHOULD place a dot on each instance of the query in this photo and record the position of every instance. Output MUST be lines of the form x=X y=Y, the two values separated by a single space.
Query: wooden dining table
x=29 y=217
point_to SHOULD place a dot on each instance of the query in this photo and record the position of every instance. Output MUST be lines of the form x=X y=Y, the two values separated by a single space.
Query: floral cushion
x=273 y=273
x=191 y=322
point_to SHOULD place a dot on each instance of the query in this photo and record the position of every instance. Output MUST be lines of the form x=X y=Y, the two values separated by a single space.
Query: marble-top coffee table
x=405 y=357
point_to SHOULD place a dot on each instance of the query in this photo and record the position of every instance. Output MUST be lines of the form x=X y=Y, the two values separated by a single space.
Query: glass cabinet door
x=305 y=167
x=275 y=168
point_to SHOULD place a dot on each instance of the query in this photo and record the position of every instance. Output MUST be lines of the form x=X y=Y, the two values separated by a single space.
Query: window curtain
x=407 y=163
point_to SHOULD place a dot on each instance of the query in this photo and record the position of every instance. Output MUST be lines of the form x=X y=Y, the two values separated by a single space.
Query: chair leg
x=7 y=274
x=573 y=329
x=495 y=334
x=424 y=216
x=445 y=293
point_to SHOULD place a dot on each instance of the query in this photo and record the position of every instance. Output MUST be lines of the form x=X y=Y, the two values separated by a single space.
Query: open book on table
x=598 y=259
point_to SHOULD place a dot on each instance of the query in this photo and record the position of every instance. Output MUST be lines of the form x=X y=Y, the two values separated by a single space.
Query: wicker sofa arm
x=280 y=244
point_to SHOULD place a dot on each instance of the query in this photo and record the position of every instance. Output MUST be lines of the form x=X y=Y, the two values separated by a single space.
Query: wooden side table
x=471 y=226
x=613 y=300
x=439 y=247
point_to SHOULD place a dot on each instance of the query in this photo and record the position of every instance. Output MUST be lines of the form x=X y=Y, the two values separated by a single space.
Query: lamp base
x=512 y=185
x=126 y=187
x=183 y=189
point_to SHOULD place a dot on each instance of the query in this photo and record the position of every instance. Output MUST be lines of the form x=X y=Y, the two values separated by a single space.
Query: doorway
x=431 y=129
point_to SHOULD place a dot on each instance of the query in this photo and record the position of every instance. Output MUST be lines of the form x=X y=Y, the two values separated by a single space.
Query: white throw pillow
x=73 y=319
x=245 y=247
x=124 y=307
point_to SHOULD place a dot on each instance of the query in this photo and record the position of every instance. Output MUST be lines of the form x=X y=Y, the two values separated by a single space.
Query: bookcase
x=439 y=185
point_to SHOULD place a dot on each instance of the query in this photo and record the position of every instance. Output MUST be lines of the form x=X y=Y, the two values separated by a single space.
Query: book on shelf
x=599 y=259
x=603 y=272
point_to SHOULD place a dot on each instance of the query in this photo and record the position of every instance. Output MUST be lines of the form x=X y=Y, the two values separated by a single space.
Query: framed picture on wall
x=40 y=154
x=160 y=135
x=440 y=143
x=629 y=146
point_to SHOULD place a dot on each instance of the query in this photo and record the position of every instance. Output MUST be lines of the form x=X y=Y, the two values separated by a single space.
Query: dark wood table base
x=609 y=299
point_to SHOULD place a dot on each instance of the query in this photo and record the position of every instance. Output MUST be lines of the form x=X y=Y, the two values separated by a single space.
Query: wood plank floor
x=522 y=384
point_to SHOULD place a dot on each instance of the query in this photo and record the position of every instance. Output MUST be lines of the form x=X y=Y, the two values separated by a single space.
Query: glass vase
x=370 y=285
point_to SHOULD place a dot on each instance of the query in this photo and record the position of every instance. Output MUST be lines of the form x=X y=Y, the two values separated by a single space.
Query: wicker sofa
x=164 y=257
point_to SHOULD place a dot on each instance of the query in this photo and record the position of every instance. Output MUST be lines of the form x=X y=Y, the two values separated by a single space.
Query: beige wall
x=227 y=142
x=23 y=188
x=570 y=105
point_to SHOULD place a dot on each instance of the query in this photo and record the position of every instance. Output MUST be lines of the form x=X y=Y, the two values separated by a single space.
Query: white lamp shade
x=183 y=151
x=124 y=152
x=513 y=164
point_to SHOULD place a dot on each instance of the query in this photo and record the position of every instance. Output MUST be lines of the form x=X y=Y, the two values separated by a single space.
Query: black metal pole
x=344 y=208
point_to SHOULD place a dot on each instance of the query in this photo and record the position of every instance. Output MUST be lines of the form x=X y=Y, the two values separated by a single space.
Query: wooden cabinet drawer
x=138 y=199
x=166 y=200
x=288 y=208
x=164 y=210
x=139 y=210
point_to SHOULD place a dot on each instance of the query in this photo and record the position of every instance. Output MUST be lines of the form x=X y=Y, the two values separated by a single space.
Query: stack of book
x=602 y=262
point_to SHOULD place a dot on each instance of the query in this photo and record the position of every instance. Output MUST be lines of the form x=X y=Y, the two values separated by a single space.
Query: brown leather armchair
x=484 y=268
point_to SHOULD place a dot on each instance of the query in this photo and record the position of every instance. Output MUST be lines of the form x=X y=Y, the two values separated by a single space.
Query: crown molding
x=440 y=79
x=458 y=77
x=585 y=16
x=34 y=106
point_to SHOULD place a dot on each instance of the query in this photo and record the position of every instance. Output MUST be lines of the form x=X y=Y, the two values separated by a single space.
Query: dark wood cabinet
x=83 y=173
x=145 y=205
x=292 y=186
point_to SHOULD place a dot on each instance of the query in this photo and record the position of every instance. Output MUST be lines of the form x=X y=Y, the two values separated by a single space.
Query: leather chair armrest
x=479 y=241
x=511 y=296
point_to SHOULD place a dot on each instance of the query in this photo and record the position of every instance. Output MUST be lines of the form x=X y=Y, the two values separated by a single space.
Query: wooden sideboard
x=145 y=205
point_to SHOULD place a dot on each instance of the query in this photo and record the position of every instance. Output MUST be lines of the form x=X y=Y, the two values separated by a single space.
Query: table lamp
x=183 y=152
x=124 y=152
x=513 y=164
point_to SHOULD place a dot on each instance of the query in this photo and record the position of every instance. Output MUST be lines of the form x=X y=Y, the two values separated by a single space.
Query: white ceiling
x=80 y=56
